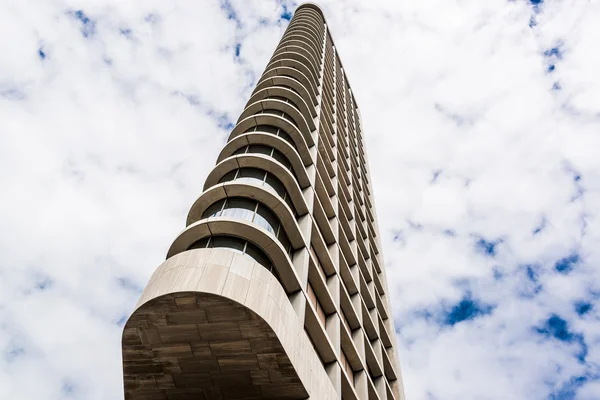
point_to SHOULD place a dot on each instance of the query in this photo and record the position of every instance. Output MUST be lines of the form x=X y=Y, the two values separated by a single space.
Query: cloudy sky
x=482 y=123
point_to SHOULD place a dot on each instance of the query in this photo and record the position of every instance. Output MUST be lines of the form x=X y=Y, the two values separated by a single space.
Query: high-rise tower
x=276 y=288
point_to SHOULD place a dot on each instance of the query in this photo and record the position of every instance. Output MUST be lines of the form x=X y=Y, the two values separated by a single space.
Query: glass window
x=200 y=244
x=239 y=245
x=253 y=176
x=267 y=128
x=228 y=176
x=286 y=137
x=252 y=173
x=266 y=219
x=285 y=242
x=239 y=207
x=260 y=148
x=240 y=150
x=281 y=158
x=276 y=185
x=214 y=210
x=258 y=255
x=229 y=242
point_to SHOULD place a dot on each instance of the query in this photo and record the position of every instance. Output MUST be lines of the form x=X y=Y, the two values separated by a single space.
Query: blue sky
x=482 y=123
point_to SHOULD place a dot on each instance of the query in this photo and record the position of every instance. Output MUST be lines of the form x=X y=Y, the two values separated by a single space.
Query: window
x=267 y=151
x=279 y=114
x=255 y=176
x=274 y=131
x=250 y=210
x=287 y=87
x=239 y=245
x=285 y=100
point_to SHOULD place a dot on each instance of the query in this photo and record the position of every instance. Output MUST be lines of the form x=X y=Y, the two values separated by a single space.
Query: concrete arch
x=303 y=36
x=273 y=79
x=312 y=8
x=264 y=163
x=236 y=189
x=306 y=28
x=302 y=140
x=309 y=113
x=307 y=23
x=295 y=64
x=296 y=46
x=276 y=104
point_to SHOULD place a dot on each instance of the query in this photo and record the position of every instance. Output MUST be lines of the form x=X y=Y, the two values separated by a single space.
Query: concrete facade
x=276 y=288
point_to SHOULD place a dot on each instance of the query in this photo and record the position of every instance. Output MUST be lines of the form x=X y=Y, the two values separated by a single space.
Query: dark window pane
x=200 y=244
x=258 y=255
x=261 y=149
x=285 y=242
x=287 y=138
x=267 y=128
x=281 y=158
x=288 y=201
x=266 y=219
x=240 y=151
x=276 y=185
x=289 y=118
x=214 y=210
x=229 y=242
x=252 y=173
x=228 y=176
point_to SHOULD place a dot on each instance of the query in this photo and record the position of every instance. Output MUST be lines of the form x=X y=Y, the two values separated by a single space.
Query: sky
x=482 y=125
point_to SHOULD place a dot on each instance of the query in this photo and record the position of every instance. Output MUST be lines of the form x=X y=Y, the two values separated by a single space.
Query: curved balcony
x=309 y=113
x=297 y=65
x=309 y=20
x=224 y=226
x=290 y=82
x=261 y=163
x=301 y=140
x=297 y=46
x=307 y=23
x=304 y=37
x=202 y=326
x=264 y=105
x=277 y=143
x=288 y=53
x=307 y=35
x=205 y=206
x=294 y=74
x=312 y=9
x=305 y=26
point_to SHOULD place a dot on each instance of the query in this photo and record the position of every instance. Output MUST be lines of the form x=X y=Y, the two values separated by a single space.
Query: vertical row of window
x=259 y=177
x=252 y=211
